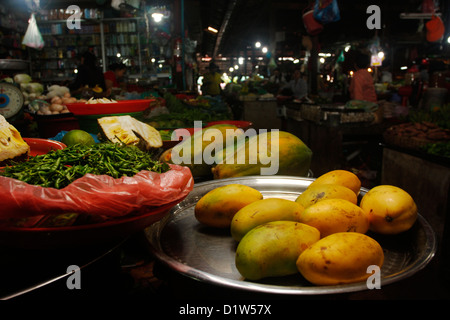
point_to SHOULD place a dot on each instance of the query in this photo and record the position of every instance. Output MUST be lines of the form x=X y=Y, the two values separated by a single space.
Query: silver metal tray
x=207 y=254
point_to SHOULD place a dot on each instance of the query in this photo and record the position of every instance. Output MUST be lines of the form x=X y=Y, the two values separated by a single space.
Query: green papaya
x=268 y=153
x=198 y=152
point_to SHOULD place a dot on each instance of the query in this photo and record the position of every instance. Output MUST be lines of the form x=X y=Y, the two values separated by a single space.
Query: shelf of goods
x=106 y=37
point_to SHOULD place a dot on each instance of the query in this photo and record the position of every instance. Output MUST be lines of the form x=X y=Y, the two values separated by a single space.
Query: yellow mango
x=272 y=249
x=218 y=206
x=335 y=215
x=320 y=192
x=391 y=210
x=340 y=258
x=342 y=177
x=262 y=211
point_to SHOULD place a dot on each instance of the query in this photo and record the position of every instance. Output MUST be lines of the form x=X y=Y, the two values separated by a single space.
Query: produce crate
x=312 y=113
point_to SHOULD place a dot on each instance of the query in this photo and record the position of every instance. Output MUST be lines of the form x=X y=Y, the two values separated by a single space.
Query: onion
x=56 y=100
x=56 y=107
x=66 y=95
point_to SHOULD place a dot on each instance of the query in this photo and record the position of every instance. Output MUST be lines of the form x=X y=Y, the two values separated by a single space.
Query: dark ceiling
x=242 y=22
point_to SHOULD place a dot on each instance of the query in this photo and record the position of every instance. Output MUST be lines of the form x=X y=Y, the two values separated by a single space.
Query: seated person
x=89 y=74
x=113 y=76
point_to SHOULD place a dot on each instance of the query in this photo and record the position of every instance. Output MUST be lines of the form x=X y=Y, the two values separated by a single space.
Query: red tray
x=126 y=106
x=80 y=235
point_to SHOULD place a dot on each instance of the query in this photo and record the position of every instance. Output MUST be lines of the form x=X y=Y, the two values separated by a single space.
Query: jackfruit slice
x=130 y=131
x=12 y=146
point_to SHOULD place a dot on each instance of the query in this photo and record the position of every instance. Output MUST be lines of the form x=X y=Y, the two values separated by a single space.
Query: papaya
x=268 y=153
x=198 y=152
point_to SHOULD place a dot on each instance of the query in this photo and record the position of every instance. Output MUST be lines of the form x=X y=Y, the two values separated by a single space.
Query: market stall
x=154 y=189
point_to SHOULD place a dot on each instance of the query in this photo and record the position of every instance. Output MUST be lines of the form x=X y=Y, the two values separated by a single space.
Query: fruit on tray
x=340 y=258
x=217 y=207
x=130 y=131
x=335 y=215
x=272 y=249
x=12 y=146
x=390 y=209
x=287 y=154
x=342 y=177
x=262 y=211
x=319 y=192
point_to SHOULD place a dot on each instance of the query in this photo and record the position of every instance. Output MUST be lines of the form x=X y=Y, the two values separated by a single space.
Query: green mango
x=272 y=249
x=262 y=211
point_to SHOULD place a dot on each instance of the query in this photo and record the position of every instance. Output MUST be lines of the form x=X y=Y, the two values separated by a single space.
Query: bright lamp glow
x=258 y=44
x=264 y=50
x=157 y=17
x=213 y=30
x=381 y=54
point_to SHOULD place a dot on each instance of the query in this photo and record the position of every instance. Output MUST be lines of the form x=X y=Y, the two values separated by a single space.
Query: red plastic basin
x=125 y=106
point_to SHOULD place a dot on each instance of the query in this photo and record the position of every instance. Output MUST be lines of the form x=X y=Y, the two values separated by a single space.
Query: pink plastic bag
x=96 y=194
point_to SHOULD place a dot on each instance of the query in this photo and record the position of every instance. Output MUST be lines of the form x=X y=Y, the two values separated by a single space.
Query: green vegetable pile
x=59 y=168
x=183 y=115
x=438 y=149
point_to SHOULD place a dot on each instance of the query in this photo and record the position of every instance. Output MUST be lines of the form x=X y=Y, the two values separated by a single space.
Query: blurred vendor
x=113 y=76
x=212 y=80
x=361 y=85
x=297 y=86
x=89 y=74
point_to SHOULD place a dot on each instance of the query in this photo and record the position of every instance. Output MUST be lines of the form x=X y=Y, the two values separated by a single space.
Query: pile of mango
x=321 y=235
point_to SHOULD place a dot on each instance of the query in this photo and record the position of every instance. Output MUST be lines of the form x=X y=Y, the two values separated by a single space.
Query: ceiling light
x=157 y=17
x=381 y=54
x=258 y=44
x=264 y=50
x=213 y=30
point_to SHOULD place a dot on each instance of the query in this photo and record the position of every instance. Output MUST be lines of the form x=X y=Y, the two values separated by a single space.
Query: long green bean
x=59 y=168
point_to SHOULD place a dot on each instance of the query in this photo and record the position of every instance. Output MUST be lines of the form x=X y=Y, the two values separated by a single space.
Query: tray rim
x=221 y=281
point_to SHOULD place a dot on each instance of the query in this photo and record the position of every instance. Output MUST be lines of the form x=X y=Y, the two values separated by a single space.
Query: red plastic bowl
x=125 y=106
x=40 y=146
